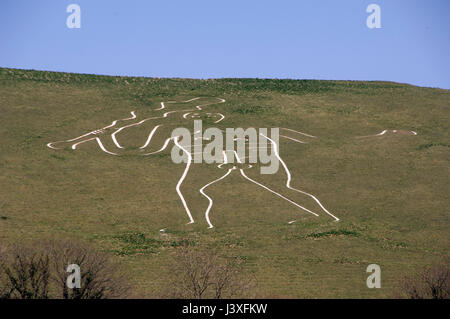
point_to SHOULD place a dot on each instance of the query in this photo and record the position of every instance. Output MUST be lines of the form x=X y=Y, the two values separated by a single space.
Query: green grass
x=391 y=193
x=133 y=243
x=333 y=232
x=425 y=146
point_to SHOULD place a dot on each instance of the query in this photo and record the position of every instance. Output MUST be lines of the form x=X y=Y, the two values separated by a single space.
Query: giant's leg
x=289 y=178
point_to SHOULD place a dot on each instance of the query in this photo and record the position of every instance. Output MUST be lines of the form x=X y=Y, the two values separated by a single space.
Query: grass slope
x=391 y=192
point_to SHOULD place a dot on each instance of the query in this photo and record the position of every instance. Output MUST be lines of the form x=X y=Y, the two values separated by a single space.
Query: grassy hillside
x=390 y=191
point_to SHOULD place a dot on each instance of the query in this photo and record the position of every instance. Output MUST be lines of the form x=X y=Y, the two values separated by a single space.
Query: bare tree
x=25 y=274
x=4 y=288
x=39 y=270
x=433 y=282
x=202 y=273
x=100 y=277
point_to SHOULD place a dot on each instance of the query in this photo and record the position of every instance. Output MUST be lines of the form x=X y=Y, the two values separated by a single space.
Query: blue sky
x=301 y=39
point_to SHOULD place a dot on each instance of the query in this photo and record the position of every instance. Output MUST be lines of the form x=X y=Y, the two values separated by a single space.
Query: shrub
x=39 y=270
x=201 y=273
x=432 y=282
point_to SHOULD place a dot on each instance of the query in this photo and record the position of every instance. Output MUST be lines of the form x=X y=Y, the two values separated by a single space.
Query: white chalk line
x=162 y=148
x=198 y=107
x=180 y=181
x=278 y=194
x=150 y=137
x=113 y=135
x=288 y=181
x=222 y=117
x=209 y=198
x=92 y=132
x=236 y=156
x=166 y=142
x=74 y=146
x=293 y=139
x=183 y=176
x=267 y=188
x=133 y=116
x=384 y=132
x=289 y=129
x=210 y=204
x=187 y=101
x=103 y=148
x=163 y=103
